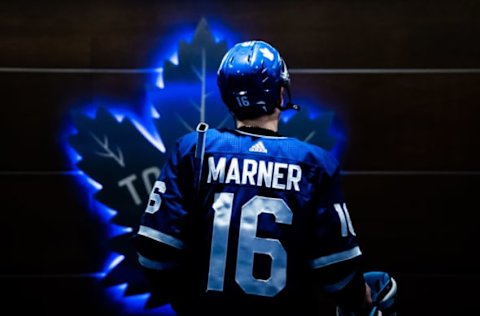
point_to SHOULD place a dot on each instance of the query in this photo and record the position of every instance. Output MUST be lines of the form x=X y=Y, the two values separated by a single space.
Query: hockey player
x=246 y=221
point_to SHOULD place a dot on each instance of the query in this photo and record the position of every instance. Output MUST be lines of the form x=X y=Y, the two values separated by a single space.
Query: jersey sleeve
x=160 y=237
x=335 y=254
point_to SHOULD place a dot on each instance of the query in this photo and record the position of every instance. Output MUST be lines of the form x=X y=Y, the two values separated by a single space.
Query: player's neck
x=269 y=122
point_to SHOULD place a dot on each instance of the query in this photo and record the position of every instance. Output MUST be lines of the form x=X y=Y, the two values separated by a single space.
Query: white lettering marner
x=276 y=175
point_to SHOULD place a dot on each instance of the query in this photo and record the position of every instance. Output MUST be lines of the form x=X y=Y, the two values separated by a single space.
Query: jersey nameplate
x=276 y=175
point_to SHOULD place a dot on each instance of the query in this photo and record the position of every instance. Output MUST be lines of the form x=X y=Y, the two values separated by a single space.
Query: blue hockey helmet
x=250 y=78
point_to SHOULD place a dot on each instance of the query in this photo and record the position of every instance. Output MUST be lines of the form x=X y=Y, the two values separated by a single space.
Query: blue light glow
x=73 y=156
x=135 y=303
x=315 y=110
x=222 y=33
x=168 y=48
x=115 y=262
x=95 y=185
x=152 y=136
x=142 y=117
x=154 y=112
x=159 y=78
x=143 y=122
x=174 y=59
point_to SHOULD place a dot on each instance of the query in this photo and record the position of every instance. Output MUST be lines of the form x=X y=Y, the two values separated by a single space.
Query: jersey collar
x=258 y=131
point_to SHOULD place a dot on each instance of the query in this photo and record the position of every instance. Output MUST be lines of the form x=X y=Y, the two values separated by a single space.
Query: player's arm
x=160 y=239
x=345 y=284
x=349 y=290
x=336 y=257
x=159 y=263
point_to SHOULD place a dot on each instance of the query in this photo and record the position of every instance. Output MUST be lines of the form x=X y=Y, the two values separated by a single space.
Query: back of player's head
x=250 y=78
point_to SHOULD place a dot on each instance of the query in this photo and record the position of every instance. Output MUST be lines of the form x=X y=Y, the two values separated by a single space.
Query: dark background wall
x=407 y=95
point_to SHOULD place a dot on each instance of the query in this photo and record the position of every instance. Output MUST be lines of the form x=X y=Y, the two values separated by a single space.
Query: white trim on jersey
x=160 y=237
x=259 y=135
x=153 y=264
x=332 y=288
x=335 y=258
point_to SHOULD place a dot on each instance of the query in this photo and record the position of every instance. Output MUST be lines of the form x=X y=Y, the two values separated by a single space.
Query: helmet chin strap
x=289 y=104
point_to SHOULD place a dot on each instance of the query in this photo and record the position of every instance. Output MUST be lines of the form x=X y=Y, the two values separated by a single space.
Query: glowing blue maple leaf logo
x=120 y=152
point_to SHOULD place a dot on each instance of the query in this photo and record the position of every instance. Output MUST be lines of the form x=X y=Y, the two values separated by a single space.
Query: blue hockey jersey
x=268 y=212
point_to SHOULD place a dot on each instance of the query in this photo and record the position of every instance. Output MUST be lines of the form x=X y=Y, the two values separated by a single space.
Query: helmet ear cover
x=250 y=78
